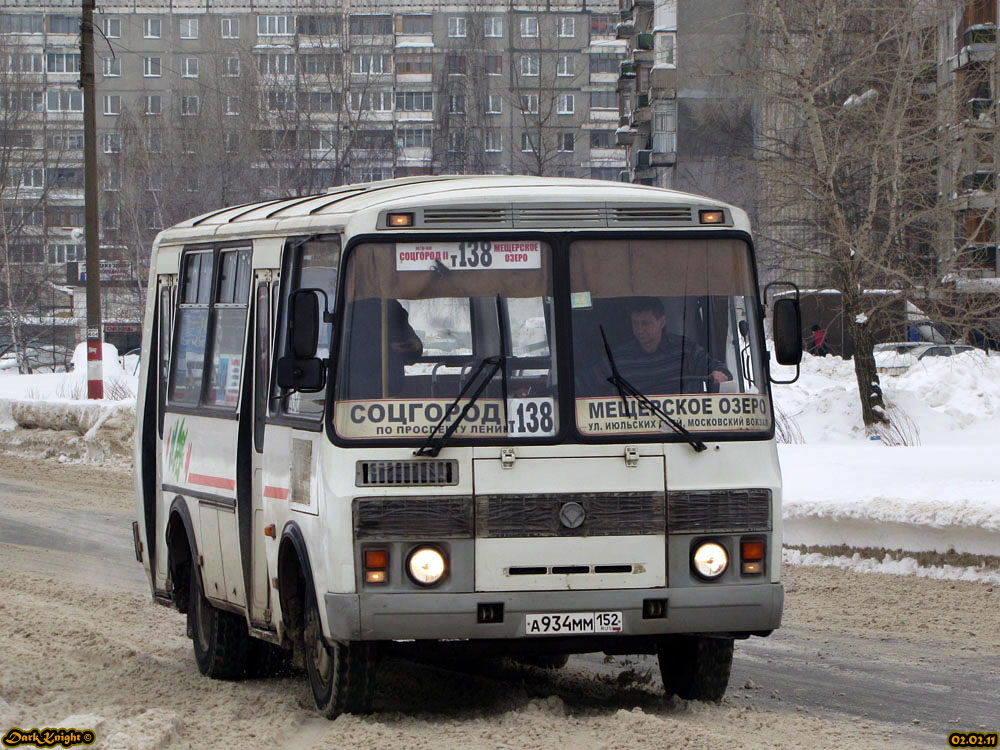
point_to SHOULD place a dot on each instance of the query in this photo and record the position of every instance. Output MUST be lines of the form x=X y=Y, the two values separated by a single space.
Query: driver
x=656 y=361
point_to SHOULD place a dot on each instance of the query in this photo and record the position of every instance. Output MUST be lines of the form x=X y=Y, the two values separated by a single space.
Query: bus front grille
x=718 y=511
x=619 y=514
x=387 y=518
x=438 y=473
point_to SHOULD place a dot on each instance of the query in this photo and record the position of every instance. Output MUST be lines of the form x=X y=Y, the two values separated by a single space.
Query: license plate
x=573 y=623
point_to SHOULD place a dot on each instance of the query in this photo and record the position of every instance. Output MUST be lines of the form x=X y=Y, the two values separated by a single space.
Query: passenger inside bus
x=404 y=346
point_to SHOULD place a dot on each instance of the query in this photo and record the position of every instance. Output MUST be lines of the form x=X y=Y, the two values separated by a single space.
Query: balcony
x=625 y=15
x=644 y=158
x=625 y=136
x=663 y=81
x=644 y=41
x=626 y=69
x=984 y=33
x=642 y=100
x=978 y=181
x=623 y=176
x=624 y=30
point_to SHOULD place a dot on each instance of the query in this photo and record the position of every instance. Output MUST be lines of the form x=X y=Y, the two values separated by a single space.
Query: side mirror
x=786 y=324
x=304 y=375
x=303 y=323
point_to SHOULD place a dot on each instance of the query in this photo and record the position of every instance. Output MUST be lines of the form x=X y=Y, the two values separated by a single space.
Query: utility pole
x=95 y=368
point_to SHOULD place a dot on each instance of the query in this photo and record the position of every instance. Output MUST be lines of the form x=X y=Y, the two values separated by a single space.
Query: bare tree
x=849 y=153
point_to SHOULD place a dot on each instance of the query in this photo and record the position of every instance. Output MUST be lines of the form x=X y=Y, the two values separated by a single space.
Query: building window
x=21 y=23
x=318 y=25
x=494 y=140
x=319 y=63
x=456 y=26
x=602 y=24
x=529 y=65
x=230 y=28
x=189 y=67
x=189 y=28
x=456 y=104
x=369 y=64
x=30 y=62
x=112 y=67
x=456 y=140
x=414 y=101
x=151 y=67
x=64 y=100
x=64 y=24
x=232 y=105
x=154 y=104
x=567 y=27
x=112 y=181
x=273 y=26
x=665 y=128
x=494 y=27
x=418 y=24
x=603 y=100
x=319 y=101
x=455 y=64
x=664 y=48
x=321 y=140
x=230 y=142
x=33 y=178
x=154 y=142
x=529 y=104
x=62 y=62
x=494 y=104
x=111 y=143
x=602 y=139
x=527 y=141
x=415 y=138
x=414 y=63
x=190 y=105
x=566 y=66
x=231 y=67
x=529 y=26
x=151 y=28
x=566 y=141
x=566 y=104
x=65 y=142
x=370 y=25
x=604 y=63
x=113 y=28
x=371 y=101
x=280 y=101
x=112 y=104
x=494 y=65
x=276 y=64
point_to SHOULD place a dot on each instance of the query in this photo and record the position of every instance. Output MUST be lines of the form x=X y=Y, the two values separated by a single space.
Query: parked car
x=895 y=358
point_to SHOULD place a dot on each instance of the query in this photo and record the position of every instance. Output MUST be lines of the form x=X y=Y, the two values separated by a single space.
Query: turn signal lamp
x=712 y=217
x=399 y=220
x=376 y=565
x=752 y=557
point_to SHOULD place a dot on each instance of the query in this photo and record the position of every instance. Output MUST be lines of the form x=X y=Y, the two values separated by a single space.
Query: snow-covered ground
x=931 y=484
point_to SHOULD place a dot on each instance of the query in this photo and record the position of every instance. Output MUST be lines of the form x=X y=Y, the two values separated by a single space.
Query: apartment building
x=683 y=118
x=210 y=103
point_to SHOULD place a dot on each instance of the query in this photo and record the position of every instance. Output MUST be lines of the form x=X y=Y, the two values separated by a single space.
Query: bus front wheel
x=342 y=676
x=695 y=667
x=220 y=639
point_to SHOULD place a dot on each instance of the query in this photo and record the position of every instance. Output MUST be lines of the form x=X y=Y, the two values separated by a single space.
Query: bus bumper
x=747 y=608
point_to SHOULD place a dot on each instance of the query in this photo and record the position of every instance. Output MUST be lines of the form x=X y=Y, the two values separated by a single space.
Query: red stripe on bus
x=278 y=493
x=206 y=480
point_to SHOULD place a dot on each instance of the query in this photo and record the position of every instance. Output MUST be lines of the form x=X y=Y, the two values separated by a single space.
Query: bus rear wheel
x=220 y=639
x=342 y=676
x=695 y=667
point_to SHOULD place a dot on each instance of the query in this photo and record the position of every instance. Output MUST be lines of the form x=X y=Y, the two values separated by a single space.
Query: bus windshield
x=420 y=319
x=680 y=320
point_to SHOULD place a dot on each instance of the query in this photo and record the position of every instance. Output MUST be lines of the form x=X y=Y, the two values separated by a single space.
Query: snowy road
x=863 y=660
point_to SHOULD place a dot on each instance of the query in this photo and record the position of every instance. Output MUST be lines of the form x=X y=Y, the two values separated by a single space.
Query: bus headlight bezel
x=426 y=552
x=703 y=552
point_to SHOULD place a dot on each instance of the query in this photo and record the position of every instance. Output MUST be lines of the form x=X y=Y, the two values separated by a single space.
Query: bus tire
x=695 y=667
x=219 y=639
x=341 y=675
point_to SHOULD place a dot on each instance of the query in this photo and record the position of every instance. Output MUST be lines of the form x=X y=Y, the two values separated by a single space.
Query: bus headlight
x=426 y=565
x=710 y=560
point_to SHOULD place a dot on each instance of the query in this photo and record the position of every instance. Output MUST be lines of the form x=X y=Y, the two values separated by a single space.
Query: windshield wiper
x=433 y=445
x=626 y=389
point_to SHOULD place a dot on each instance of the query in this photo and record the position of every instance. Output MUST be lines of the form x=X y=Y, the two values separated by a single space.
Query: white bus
x=490 y=415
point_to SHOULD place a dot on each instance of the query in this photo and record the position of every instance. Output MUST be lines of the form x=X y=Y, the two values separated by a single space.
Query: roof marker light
x=399 y=220
x=712 y=217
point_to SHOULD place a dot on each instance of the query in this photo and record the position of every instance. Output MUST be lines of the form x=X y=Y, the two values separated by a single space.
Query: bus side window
x=312 y=264
x=188 y=363
x=230 y=318
x=163 y=363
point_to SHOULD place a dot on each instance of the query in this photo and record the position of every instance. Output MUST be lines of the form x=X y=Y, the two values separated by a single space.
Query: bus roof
x=457 y=202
